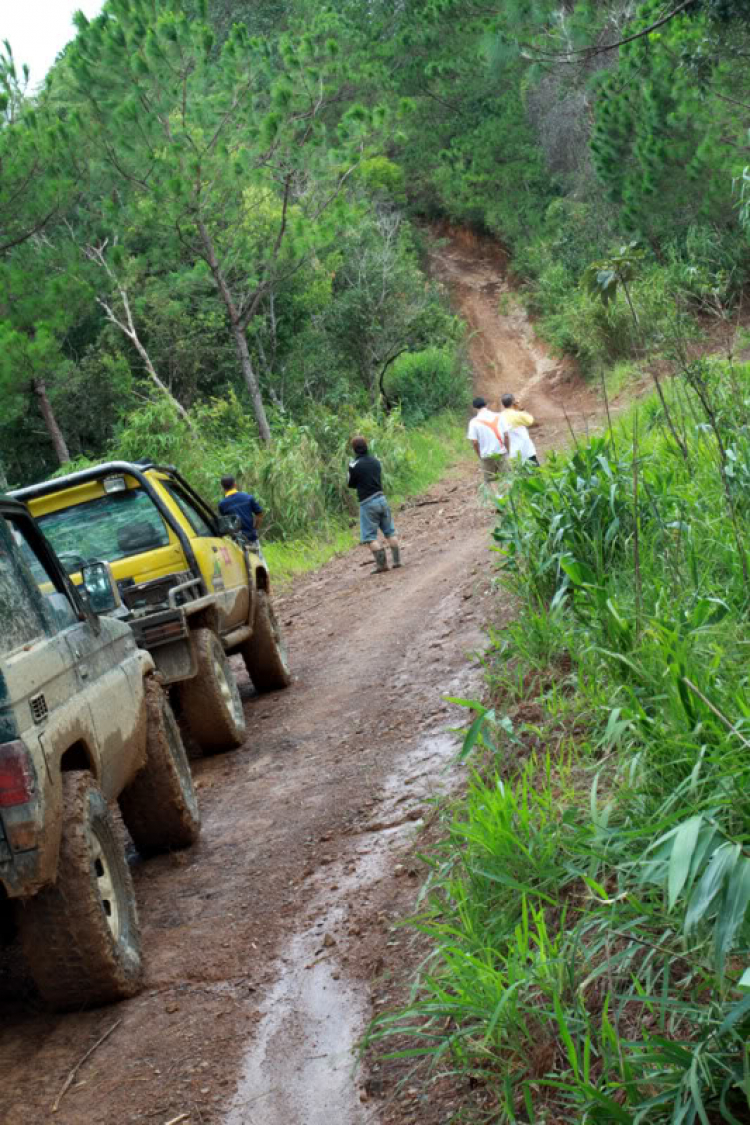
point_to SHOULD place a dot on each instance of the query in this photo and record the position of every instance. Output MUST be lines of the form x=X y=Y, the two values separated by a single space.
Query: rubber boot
x=396 y=557
x=381 y=562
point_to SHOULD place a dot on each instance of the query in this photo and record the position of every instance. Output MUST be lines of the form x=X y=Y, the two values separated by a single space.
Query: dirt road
x=261 y=941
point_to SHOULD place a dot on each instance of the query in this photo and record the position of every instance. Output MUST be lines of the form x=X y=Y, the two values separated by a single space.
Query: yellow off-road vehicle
x=192 y=590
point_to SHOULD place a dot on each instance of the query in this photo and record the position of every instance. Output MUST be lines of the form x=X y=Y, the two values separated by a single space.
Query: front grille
x=148 y=596
x=39 y=711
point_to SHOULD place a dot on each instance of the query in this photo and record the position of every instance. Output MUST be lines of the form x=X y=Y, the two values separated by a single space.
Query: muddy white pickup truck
x=84 y=723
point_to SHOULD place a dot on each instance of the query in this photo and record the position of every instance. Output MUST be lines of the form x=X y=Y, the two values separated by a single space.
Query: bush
x=426 y=382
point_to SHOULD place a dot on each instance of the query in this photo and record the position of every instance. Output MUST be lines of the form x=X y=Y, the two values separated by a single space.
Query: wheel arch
x=78 y=756
x=206 y=618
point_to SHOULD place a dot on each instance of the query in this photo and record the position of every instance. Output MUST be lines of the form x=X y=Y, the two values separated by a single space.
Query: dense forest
x=212 y=215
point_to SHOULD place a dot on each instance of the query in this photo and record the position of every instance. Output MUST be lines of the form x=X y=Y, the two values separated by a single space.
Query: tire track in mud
x=262 y=940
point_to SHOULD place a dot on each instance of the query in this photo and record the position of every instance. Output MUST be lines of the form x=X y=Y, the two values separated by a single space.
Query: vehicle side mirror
x=100 y=586
x=228 y=525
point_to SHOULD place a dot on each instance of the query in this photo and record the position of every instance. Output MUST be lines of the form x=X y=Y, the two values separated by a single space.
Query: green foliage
x=603 y=279
x=381 y=305
x=305 y=287
x=426 y=382
x=301 y=479
x=662 y=141
x=37 y=183
x=588 y=909
x=583 y=518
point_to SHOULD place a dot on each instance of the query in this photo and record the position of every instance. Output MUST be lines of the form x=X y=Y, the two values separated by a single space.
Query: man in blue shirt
x=244 y=506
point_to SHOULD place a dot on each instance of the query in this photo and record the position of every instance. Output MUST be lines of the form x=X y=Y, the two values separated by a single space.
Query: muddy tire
x=210 y=702
x=265 y=653
x=159 y=807
x=80 y=936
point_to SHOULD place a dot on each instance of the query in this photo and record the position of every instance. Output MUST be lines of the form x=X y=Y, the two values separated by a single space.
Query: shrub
x=426 y=382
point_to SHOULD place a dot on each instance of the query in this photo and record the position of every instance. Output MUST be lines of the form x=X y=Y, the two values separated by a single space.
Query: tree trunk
x=251 y=382
x=39 y=388
x=238 y=332
x=162 y=386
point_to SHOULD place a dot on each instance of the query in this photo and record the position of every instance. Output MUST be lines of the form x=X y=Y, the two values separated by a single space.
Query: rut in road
x=260 y=941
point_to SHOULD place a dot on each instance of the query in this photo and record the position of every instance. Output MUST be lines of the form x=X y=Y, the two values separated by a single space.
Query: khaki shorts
x=493 y=466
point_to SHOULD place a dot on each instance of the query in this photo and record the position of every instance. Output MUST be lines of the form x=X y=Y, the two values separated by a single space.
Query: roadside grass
x=620 y=376
x=288 y=559
x=588 y=906
x=436 y=445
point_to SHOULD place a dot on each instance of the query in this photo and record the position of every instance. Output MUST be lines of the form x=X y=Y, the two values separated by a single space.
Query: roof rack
x=96 y=472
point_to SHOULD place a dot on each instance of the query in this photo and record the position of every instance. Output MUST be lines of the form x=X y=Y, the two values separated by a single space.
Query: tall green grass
x=588 y=908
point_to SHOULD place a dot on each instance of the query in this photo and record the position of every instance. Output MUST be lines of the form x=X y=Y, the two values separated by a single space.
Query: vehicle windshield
x=110 y=527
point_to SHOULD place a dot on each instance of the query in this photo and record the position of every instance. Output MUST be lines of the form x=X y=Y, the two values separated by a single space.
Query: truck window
x=110 y=527
x=58 y=610
x=21 y=619
x=189 y=510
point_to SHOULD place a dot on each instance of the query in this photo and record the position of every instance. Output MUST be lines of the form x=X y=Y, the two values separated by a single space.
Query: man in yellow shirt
x=513 y=415
x=516 y=421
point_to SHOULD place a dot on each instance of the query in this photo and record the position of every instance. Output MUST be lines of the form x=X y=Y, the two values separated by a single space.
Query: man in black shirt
x=365 y=474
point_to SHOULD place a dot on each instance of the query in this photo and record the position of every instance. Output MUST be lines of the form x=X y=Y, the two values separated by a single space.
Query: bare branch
x=590 y=52
x=127 y=326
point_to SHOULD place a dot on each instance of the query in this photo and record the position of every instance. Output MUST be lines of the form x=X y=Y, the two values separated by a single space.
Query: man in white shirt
x=488 y=433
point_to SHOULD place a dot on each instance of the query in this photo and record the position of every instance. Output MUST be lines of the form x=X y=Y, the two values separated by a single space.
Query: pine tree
x=239 y=158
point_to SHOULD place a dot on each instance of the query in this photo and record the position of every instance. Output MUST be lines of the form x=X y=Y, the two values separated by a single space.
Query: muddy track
x=262 y=940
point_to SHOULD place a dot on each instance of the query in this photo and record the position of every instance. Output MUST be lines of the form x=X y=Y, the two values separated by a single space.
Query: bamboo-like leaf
x=677 y=1056
x=499 y=1008
x=615 y=1112
x=711 y=883
x=507 y=881
x=681 y=857
x=706 y=837
x=578 y=572
x=738 y=1010
x=565 y=1035
x=696 y=1093
x=733 y=909
x=474 y=733
x=730 y=1083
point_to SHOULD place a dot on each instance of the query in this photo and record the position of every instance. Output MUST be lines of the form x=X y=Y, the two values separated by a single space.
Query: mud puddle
x=301 y=1068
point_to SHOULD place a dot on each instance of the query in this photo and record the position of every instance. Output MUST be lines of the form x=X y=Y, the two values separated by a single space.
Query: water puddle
x=300 y=1070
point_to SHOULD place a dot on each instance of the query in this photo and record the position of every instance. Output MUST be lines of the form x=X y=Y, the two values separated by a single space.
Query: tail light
x=17 y=785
